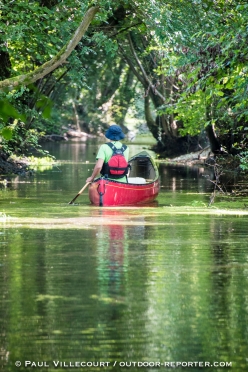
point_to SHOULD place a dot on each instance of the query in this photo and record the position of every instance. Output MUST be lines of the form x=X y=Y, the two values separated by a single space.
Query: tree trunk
x=151 y=123
x=5 y=65
x=214 y=143
x=126 y=93
x=76 y=118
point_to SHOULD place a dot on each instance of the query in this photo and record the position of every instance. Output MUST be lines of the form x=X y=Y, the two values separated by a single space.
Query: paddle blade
x=80 y=192
x=72 y=201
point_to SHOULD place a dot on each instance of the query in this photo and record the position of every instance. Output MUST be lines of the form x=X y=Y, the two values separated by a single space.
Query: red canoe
x=142 y=186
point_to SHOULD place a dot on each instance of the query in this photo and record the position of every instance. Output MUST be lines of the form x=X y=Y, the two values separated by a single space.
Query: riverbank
x=23 y=166
x=206 y=158
x=193 y=158
x=9 y=165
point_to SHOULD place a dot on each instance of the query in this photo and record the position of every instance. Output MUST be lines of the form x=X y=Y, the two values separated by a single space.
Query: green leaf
x=219 y=93
x=47 y=112
x=6 y=133
x=8 y=111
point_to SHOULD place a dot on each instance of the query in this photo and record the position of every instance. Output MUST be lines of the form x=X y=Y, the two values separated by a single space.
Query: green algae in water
x=160 y=283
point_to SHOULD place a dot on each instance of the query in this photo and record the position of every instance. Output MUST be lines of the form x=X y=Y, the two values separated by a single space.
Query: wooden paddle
x=80 y=192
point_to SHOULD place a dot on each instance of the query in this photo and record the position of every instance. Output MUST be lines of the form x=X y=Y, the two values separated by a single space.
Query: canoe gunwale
x=125 y=183
x=110 y=192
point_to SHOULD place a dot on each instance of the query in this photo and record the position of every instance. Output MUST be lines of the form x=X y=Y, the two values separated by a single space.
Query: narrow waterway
x=88 y=288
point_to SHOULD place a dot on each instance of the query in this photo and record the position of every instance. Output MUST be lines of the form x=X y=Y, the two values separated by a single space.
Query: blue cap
x=114 y=133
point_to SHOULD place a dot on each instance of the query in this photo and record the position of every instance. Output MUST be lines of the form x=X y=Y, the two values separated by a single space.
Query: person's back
x=114 y=134
x=115 y=166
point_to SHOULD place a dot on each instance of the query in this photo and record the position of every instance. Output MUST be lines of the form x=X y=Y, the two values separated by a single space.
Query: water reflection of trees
x=157 y=287
x=229 y=284
x=182 y=178
x=197 y=299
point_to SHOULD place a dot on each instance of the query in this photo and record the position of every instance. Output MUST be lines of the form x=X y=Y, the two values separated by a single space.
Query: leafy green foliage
x=19 y=140
x=189 y=56
x=211 y=69
x=8 y=111
x=243 y=158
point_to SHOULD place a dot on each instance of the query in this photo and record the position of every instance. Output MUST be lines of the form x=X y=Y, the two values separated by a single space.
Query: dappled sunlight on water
x=155 y=283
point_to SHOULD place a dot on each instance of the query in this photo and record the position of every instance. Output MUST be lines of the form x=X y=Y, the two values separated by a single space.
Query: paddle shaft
x=80 y=192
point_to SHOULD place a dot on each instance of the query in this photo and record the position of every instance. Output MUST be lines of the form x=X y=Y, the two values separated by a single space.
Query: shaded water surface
x=112 y=287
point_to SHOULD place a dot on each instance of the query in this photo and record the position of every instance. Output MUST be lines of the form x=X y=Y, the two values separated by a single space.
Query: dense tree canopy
x=185 y=61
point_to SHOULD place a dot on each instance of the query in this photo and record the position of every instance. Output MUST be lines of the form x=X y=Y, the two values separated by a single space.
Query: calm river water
x=120 y=289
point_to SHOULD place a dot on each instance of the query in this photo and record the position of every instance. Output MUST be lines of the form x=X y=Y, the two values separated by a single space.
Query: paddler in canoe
x=112 y=157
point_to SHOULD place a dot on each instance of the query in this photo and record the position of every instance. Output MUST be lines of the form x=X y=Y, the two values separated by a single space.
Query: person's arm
x=126 y=154
x=96 y=170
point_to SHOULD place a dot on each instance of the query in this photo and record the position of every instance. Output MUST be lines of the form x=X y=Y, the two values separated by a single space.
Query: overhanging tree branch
x=155 y=91
x=56 y=61
x=131 y=65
